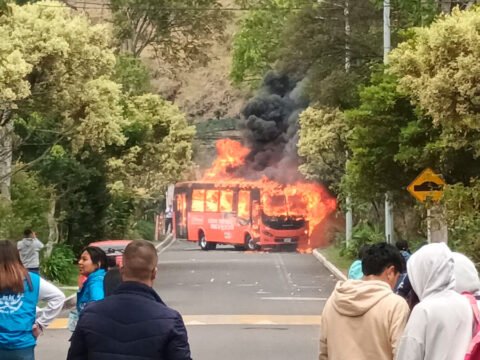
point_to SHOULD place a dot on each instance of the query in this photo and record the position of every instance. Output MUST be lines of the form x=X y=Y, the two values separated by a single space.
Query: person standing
x=29 y=248
x=440 y=326
x=109 y=329
x=355 y=271
x=112 y=278
x=168 y=219
x=20 y=292
x=93 y=265
x=364 y=319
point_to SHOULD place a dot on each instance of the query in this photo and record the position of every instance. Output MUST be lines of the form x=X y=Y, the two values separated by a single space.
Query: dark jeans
x=34 y=270
x=19 y=354
x=168 y=225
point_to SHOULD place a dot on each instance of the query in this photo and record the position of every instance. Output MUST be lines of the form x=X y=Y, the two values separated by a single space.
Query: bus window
x=198 y=200
x=244 y=204
x=211 y=200
x=226 y=201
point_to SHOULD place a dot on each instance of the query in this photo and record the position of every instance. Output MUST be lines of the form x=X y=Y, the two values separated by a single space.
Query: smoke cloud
x=270 y=125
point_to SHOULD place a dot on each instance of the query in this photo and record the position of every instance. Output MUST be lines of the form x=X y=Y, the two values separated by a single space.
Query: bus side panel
x=218 y=227
x=195 y=223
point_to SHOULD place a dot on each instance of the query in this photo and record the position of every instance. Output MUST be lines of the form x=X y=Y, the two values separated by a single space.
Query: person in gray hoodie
x=440 y=326
x=29 y=248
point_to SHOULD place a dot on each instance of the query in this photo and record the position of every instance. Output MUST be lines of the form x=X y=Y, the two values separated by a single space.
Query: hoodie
x=28 y=249
x=440 y=326
x=466 y=275
x=362 y=320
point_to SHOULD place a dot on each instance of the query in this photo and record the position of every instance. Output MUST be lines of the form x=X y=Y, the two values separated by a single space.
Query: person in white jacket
x=466 y=275
x=20 y=291
x=440 y=326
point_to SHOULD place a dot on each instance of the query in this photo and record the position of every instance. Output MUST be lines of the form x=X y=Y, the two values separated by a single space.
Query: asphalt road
x=236 y=305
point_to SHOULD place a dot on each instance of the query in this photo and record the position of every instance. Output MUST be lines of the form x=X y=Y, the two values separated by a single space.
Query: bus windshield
x=281 y=211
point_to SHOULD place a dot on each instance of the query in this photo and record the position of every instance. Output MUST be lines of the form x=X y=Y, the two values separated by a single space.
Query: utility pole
x=348 y=56
x=387 y=45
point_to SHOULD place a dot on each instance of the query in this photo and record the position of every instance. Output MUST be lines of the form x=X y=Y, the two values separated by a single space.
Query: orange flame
x=231 y=155
x=302 y=199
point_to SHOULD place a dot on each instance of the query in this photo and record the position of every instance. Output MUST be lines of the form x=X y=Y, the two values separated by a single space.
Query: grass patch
x=332 y=253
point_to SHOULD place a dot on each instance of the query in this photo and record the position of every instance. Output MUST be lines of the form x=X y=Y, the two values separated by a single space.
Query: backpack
x=473 y=352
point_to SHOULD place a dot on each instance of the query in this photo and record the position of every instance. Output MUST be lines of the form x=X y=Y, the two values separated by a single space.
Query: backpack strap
x=476 y=313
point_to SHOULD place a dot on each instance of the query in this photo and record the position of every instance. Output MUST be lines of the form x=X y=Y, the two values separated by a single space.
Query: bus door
x=181 y=215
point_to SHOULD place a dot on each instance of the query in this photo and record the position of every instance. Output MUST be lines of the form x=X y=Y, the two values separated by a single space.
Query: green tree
x=132 y=74
x=158 y=150
x=374 y=140
x=462 y=203
x=58 y=65
x=315 y=45
x=438 y=67
x=322 y=145
x=255 y=46
x=177 y=30
x=28 y=207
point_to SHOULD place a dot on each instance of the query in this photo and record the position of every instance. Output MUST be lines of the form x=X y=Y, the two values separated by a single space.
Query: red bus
x=237 y=213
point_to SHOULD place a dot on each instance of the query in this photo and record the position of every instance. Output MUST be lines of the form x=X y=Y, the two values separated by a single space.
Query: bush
x=59 y=266
x=363 y=233
x=462 y=204
x=144 y=230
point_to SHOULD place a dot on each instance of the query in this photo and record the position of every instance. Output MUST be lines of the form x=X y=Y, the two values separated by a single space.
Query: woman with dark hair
x=20 y=292
x=92 y=264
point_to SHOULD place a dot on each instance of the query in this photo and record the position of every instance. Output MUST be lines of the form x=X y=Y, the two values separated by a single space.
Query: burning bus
x=244 y=214
x=226 y=207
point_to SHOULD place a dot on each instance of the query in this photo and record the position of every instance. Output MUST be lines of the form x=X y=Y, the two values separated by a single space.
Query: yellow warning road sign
x=427 y=185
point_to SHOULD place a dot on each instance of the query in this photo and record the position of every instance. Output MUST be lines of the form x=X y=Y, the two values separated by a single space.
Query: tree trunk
x=6 y=132
x=52 y=225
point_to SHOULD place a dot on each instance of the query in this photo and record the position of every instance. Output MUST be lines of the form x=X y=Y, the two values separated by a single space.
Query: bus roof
x=223 y=184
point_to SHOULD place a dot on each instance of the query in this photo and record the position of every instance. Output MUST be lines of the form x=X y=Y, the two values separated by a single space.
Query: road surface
x=237 y=305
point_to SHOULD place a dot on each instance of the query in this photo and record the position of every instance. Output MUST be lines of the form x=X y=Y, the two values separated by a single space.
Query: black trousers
x=168 y=223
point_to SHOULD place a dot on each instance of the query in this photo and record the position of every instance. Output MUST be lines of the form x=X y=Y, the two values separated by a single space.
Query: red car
x=113 y=248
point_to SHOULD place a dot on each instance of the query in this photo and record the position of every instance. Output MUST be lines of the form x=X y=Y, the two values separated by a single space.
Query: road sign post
x=428 y=188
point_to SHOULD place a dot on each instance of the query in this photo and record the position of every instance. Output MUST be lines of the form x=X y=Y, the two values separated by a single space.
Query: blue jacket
x=131 y=324
x=17 y=316
x=92 y=289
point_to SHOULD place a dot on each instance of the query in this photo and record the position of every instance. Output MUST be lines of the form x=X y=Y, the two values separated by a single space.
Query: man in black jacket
x=133 y=323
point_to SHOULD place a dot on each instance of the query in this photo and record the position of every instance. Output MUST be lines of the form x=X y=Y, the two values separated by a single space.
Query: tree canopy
x=83 y=134
x=58 y=64
x=177 y=30
x=438 y=68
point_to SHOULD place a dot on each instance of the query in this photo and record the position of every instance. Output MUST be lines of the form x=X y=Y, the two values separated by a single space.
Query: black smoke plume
x=270 y=126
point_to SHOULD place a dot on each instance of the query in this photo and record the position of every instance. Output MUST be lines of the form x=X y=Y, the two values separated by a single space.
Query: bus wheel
x=204 y=244
x=250 y=244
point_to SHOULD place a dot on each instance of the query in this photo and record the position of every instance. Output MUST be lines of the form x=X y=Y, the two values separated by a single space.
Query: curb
x=169 y=239
x=71 y=301
x=332 y=268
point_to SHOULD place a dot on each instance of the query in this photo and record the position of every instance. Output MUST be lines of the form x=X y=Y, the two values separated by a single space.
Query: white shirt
x=54 y=298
